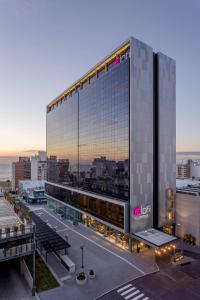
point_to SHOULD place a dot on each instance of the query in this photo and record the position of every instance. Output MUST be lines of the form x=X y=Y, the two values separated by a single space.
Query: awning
x=155 y=238
x=48 y=239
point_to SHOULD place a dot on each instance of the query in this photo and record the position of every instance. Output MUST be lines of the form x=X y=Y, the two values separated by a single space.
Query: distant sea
x=6 y=167
x=187 y=155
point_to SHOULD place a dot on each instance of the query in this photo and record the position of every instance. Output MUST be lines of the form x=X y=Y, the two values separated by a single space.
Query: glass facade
x=88 y=136
x=62 y=142
x=104 y=134
x=109 y=212
x=70 y=214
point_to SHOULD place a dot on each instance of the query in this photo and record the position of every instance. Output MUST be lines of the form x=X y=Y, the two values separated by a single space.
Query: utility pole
x=34 y=250
x=67 y=239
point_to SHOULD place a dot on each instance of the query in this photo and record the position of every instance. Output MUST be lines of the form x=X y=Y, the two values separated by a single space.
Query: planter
x=91 y=274
x=7 y=230
x=81 y=278
x=15 y=230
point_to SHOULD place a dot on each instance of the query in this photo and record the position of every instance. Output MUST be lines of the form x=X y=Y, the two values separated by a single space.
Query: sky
x=45 y=45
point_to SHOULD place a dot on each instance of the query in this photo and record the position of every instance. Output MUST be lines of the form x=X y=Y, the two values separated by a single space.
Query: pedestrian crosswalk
x=130 y=292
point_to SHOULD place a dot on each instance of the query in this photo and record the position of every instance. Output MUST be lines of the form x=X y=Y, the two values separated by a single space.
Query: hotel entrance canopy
x=155 y=238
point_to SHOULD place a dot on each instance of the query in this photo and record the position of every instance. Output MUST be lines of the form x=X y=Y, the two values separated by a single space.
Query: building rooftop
x=180 y=183
x=8 y=218
x=188 y=186
x=101 y=65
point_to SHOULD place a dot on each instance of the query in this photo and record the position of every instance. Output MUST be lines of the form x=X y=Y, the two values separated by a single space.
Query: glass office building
x=102 y=142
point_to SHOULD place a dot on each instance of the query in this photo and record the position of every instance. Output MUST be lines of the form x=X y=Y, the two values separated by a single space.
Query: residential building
x=17 y=240
x=183 y=169
x=21 y=170
x=111 y=146
x=39 y=166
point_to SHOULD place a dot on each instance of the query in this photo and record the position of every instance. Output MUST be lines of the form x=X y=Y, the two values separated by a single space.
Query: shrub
x=81 y=276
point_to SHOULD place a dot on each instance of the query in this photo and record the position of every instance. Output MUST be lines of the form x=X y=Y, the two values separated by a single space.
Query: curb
x=118 y=286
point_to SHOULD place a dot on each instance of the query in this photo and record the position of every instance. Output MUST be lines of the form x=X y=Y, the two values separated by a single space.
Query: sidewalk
x=145 y=262
x=112 y=264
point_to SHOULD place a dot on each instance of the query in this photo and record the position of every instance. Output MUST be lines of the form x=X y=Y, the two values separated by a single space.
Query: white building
x=27 y=186
x=39 y=166
x=195 y=169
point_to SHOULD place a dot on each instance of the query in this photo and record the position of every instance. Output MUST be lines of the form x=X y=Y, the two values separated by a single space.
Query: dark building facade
x=103 y=136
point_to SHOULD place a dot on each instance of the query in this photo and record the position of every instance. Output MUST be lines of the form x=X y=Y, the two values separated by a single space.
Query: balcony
x=21 y=232
x=15 y=252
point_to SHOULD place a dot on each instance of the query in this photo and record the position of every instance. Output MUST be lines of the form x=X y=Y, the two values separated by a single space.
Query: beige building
x=183 y=170
x=39 y=166
x=188 y=211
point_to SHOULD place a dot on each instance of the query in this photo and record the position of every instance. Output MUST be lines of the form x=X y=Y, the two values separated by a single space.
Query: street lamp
x=67 y=239
x=81 y=247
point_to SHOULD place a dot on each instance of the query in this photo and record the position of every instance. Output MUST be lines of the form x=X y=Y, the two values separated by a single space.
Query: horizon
x=42 y=58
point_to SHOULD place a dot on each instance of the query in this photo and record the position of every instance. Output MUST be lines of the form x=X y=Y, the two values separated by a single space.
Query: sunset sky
x=46 y=45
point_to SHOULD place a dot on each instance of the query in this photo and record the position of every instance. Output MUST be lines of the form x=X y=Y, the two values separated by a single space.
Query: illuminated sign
x=117 y=60
x=142 y=211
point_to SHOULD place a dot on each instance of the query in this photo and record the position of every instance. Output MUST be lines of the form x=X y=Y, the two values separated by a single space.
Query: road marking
x=39 y=214
x=64 y=229
x=123 y=288
x=135 y=293
x=146 y=298
x=138 y=297
x=109 y=251
x=128 y=291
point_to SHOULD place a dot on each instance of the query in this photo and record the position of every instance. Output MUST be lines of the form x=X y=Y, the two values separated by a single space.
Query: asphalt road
x=110 y=264
x=171 y=283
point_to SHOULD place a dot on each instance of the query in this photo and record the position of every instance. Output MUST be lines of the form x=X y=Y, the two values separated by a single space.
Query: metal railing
x=6 y=234
x=16 y=251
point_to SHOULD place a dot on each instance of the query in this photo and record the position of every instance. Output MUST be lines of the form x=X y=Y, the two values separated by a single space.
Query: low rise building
x=195 y=169
x=28 y=186
x=17 y=239
x=188 y=209
x=36 y=197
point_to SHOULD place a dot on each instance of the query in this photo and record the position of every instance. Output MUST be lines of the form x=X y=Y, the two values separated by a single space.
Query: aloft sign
x=142 y=211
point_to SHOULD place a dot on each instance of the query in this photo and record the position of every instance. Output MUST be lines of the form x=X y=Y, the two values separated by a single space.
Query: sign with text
x=142 y=211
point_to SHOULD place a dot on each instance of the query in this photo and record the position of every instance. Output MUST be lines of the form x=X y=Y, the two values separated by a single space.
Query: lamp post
x=81 y=247
x=34 y=250
x=67 y=239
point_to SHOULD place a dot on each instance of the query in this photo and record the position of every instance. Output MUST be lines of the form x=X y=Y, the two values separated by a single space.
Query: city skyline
x=45 y=51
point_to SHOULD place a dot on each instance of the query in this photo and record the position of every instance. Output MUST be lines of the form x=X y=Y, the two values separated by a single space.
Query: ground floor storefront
x=121 y=239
